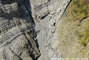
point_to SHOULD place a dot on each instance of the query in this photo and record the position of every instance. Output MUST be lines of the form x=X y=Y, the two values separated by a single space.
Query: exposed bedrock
x=47 y=15
x=27 y=28
x=17 y=33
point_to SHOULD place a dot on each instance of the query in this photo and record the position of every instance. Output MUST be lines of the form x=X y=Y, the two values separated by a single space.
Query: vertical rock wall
x=47 y=14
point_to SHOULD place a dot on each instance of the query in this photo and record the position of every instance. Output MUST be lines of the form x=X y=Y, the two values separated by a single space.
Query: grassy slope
x=74 y=30
x=78 y=9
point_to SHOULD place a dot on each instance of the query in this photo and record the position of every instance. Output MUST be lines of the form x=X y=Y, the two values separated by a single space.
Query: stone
x=28 y=29
x=14 y=42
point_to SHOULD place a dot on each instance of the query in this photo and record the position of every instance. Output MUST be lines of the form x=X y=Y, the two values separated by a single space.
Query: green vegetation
x=78 y=9
x=84 y=37
x=74 y=30
x=84 y=34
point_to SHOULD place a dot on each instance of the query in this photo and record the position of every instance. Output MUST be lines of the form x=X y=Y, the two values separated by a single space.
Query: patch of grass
x=84 y=33
x=64 y=43
x=84 y=37
x=78 y=9
x=88 y=54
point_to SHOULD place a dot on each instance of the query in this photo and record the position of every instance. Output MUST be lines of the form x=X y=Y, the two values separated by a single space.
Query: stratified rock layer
x=16 y=32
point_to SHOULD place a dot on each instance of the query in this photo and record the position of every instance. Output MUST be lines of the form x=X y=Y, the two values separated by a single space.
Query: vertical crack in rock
x=65 y=9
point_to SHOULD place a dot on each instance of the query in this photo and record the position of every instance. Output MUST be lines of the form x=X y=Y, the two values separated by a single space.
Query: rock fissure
x=81 y=20
x=15 y=54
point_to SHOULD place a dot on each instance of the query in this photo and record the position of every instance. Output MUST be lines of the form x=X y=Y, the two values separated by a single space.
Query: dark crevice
x=65 y=9
x=7 y=1
x=83 y=18
x=26 y=4
x=45 y=15
x=80 y=21
x=34 y=46
x=54 y=23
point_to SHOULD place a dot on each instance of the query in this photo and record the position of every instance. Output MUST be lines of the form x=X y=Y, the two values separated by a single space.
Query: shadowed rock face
x=17 y=32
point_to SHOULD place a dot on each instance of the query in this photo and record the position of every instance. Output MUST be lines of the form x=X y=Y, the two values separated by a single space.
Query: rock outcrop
x=47 y=14
x=31 y=29
x=17 y=34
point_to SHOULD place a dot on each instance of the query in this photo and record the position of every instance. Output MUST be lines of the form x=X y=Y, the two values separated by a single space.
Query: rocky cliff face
x=17 y=34
x=32 y=29
x=47 y=14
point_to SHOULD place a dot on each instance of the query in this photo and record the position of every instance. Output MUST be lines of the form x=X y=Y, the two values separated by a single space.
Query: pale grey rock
x=47 y=14
x=15 y=21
